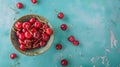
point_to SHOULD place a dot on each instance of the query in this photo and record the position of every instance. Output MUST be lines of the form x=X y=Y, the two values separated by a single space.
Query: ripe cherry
x=22 y=36
x=45 y=37
x=22 y=47
x=24 y=30
x=45 y=26
x=37 y=24
x=36 y=35
x=26 y=41
x=42 y=43
x=20 y=41
x=32 y=20
x=60 y=15
x=63 y=27
x=19 y=5
x=64 y=62
x=76 y=42
x=71 y=38
x=28 y=35
x=58 y=46
x=49 y=31
x=26 y=25
x=34 y=1
x=13 y=56
x=33 y=30
x=17 y=33
x=18 y=25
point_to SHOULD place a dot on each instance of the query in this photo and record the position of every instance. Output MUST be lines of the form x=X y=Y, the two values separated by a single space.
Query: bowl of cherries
x=31 y=35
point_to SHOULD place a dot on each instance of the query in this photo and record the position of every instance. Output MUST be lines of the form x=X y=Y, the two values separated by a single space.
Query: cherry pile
x=32 y=34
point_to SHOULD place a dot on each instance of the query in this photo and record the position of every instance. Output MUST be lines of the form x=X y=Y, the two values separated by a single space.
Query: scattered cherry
x=60 y=15
x=49 y=31
x=64 y=62
x=13 y=56
x=19 y=5
x=34 y=1
x=76 y=42
x=58 y=46
x=71 y=38
x=63 y=27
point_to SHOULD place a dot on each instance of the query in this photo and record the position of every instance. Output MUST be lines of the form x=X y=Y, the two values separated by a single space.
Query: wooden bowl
x=31 y=52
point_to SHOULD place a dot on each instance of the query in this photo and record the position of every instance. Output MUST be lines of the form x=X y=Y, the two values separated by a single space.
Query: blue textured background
x=95 y=23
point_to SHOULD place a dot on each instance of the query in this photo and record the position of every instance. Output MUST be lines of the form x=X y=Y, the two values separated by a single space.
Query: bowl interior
x=31 y=52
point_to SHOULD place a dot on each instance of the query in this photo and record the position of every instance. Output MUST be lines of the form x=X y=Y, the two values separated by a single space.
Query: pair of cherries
x=32 y=33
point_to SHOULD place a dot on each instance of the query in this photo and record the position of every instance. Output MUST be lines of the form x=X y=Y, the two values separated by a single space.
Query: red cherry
x=41 y=31
x=42 y=43
x=18 y=25
x=64 y=62
x=20 y=41
x=33 y=30
x=37 y=24
x=32 y=20
x=17 y=33
x=26 y=41
x=49 y=31
x=19 y=5
x=36 y=45
x=24 y=30
x=28 y=35
x=45 y=37
x=13 y=56
x=60 y=15
x=22 y=47
x=71 y=38
x=76 y=42
x=63 y=27
x=45 y=26
x=36 y=35
x=58 y=46
x=26 y=25
x=34 y=1
x=22 y=36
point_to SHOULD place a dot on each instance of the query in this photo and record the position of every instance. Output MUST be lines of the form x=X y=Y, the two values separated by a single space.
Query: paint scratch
x=107 y=50
x=103 y=59
x=113 y=39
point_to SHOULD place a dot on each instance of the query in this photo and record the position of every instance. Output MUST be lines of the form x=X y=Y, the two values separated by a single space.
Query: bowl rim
x=38 y=51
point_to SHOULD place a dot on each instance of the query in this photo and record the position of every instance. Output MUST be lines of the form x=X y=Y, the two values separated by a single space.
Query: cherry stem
x=13 y=29
x=14 y=10
x=29 y=31
x=56 y=11
x=45 y=21
x=37 y=41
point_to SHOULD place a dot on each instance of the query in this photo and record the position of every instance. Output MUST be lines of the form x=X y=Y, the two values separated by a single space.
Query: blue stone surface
x=95 y=23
